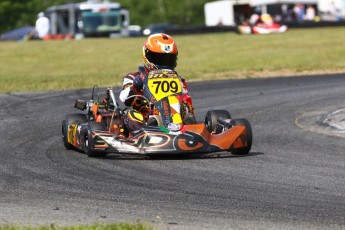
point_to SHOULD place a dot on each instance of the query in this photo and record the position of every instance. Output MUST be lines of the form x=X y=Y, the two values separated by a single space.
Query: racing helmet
x=160 y=52
x=266 y=18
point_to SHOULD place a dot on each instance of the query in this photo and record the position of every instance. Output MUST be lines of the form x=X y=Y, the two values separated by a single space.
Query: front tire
x=89 y=144
x=248 y=136
x=212 y=116
x=70 y=119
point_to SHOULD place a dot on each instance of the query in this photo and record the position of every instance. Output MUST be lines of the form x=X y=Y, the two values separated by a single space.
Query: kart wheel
x=189 y=119
x=249 y=136
x=152 y=122
x=69 y=119
x=89 y=144
x=211 y=119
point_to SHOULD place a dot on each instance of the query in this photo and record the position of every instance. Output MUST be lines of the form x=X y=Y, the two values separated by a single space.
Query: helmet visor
x=162 y=60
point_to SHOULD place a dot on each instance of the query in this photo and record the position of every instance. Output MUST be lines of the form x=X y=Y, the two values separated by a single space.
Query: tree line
x=18 y=13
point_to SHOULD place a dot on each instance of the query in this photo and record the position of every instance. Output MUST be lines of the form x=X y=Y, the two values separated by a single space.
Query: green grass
x=55 y=65
x=123 y=226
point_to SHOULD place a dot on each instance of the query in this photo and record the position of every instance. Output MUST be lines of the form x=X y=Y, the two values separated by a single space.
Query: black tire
x=89 y=145
x=189 y=119
x=69 y=119
x=152 y=122
x=249 y=136
x=211 y=119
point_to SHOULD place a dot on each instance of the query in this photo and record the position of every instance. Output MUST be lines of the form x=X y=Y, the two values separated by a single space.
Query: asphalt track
x=292 y=179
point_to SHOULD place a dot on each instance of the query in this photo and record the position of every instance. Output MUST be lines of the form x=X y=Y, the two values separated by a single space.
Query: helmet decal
x=166 y=48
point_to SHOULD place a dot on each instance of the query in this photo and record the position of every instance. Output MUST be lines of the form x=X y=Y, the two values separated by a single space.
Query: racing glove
x=138 y=83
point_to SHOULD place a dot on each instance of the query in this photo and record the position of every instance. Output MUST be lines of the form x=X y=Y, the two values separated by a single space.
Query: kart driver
x=159 y=52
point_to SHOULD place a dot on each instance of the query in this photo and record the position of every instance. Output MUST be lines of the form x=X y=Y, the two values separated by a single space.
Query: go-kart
x=170 y=129
x=262 y=28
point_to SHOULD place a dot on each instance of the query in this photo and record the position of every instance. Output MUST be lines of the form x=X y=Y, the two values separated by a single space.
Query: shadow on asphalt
x=211 y=156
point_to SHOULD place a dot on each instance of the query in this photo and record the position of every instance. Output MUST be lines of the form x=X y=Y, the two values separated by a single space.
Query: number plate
x=164 y=87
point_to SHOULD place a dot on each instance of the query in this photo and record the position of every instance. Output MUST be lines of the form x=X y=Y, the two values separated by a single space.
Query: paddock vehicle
x=170 y=129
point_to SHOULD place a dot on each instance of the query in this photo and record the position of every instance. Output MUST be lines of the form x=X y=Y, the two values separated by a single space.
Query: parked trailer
x=232 y=13
x=226 y=12
x=89 y=19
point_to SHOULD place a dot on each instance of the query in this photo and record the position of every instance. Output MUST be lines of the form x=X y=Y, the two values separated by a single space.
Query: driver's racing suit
x=138 y=115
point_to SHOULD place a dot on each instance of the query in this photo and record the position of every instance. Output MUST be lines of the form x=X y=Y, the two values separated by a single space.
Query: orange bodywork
x=233 y=136
x=229 y=137
x=96 y=115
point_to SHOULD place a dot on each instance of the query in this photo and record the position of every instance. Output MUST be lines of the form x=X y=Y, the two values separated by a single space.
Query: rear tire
x=69 y=119
x=211 y=119
x=248 y=136
x=189 y=119
x=89 y=144
x=152 y=122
